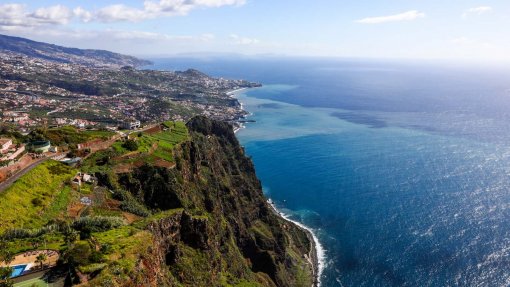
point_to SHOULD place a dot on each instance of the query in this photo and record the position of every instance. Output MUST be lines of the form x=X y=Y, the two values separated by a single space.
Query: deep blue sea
x=402 y=169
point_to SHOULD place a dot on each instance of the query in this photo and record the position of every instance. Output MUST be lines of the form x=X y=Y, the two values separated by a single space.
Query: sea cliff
x=174 y=205
x=216 y=228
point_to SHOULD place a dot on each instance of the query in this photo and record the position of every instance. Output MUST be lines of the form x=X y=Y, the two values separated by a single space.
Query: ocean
x=401 y=169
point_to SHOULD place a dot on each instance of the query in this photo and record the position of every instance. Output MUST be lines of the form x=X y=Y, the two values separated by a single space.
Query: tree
x=70 y=236
x=130 y=145
x=5 y=277
x=7 y=257
x=41 y=258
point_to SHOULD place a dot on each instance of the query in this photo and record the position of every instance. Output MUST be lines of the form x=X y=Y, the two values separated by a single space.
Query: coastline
x=234 y=92
x=236 y=123
x=316 y=255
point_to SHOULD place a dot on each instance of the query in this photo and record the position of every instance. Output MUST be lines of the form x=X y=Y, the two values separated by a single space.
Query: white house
x=131 y=125
x=5 y=144
x=13 y=154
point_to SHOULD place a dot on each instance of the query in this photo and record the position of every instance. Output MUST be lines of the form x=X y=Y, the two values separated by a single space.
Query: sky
x=411 y=29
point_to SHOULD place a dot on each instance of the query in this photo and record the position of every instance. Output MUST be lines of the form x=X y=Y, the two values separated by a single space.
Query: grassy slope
x=47 y=183
x=37 y=197
x=165 y=140
x=71 y=135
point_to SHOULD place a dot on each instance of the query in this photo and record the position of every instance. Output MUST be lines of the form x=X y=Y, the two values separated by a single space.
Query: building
x=5 y=144
x=40 y=146
x=88 y=178
x=71 y=161
x=13 y=153
x=131 y=125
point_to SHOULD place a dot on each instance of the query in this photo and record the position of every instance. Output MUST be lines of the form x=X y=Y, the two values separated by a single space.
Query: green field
x=37 y=197
x=36 y=282
x=71 y=135
x=165 y=141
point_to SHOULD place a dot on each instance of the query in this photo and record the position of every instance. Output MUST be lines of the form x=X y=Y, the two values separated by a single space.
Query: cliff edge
x=213 y=226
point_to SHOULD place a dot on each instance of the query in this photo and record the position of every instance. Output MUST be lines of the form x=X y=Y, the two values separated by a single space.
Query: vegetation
x=130 y=204
x=7 y=257
x=69 y=135
x=41 y=259
x=37 y=197
x=97 y=223
x=159 y=145
x=205 y=221
x=130 y=145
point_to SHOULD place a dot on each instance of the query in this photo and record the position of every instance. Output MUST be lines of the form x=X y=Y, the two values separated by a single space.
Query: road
x=8 y=182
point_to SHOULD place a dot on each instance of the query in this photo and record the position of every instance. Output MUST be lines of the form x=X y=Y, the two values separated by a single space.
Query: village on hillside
x=72 y=157
x=35 y=92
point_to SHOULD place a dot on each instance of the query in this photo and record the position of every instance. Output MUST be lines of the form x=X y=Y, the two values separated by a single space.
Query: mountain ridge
x=61 y=54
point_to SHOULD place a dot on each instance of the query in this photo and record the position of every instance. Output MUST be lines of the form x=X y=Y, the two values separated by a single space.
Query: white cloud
x=82 y=14
x=477 y=11
x=238 y=40
x=12 y=15
x=163 y=8
x=119 y=12
x=207 y=37
x=406 y=16
x=468 y=42
x=462 y=41
x=149 y=36
x=57 y=14
x=17 y=15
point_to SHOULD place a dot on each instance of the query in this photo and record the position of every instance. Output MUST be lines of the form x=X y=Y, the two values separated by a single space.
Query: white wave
x=321 y=252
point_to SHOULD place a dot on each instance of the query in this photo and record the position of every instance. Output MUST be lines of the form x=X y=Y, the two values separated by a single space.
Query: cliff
x=181 y=207
x=214 y=227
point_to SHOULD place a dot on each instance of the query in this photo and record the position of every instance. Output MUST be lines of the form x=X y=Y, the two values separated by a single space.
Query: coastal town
x=35 y=92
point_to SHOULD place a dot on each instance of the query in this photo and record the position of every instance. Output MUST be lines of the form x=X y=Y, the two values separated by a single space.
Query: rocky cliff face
x=216 y=228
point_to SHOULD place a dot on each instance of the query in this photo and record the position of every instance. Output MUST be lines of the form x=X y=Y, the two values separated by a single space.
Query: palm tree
x=41 y=258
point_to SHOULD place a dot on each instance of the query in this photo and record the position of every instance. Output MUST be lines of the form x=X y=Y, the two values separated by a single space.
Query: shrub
x=106 y=248
x=130 y=145
x=79 y=254
x=37 y=202
x=97 y=224
x=96 y=257
x=130 y=204
x=22 y=233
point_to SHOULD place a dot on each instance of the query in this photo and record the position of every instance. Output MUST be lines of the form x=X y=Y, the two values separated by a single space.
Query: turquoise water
x=18 y=270
x=401 y=169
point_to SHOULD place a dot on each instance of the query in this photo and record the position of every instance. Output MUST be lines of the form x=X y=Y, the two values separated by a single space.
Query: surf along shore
x=317 y=255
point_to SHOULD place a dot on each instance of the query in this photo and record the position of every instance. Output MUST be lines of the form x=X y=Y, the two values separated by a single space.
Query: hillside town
x=35 y=92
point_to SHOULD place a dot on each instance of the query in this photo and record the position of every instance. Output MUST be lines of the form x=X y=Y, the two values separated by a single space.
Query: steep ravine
x=216 y=228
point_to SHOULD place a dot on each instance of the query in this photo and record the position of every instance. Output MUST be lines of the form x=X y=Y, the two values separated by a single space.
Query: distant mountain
x=87 y=57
